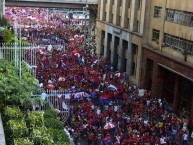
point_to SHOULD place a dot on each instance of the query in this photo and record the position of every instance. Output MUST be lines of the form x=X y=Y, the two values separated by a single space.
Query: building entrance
x=177 y=91
x=168 y=85
x=109 y=46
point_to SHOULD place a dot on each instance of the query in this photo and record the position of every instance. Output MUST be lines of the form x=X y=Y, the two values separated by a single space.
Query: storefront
x=168 y=78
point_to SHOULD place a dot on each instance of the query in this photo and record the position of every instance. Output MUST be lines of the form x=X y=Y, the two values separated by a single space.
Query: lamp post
x=2 y=9
x=15 y=46
x=20 y=53
x=15 y=39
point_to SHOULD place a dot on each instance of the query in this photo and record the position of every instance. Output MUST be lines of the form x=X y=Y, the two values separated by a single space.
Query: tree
x=12 y=89
x=4 y=22
x=8 y=36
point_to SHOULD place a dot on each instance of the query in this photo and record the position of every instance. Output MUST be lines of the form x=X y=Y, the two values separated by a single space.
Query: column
x=142 y=19
x=124 y=13
x=176 y=94
x=133 y=15
x=98 y=44
x=103 y=7
x=109 y=10
x=120 y=55
x=99 y=9
x=115 y=12
x=113 y=50
x=129 y=57
x=105 y=46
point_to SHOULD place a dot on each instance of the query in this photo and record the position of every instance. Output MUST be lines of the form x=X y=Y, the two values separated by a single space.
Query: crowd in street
x=115 y=112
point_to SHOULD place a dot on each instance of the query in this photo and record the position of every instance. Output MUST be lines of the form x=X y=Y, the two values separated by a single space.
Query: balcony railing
x=180 y=44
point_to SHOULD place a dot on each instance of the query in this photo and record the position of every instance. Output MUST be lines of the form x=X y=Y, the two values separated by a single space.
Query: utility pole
x=20 y=52
x=2 y=8
x=85 y=9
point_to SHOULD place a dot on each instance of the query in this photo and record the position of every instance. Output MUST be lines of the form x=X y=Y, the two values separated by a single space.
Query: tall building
x=119 y=34
x=152 y=41
x=167 y=63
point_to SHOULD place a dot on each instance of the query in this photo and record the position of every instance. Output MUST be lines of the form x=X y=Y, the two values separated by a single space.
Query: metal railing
x=55 y=100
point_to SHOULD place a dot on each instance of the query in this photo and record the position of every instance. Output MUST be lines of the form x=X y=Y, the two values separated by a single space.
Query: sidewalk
x=2 y=136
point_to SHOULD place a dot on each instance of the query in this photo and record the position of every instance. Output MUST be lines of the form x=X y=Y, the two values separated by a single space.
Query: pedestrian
x=185 y=138
x=191 y=138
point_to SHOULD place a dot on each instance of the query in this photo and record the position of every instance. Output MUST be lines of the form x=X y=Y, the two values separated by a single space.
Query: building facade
x=167 y=52
x=120 y=26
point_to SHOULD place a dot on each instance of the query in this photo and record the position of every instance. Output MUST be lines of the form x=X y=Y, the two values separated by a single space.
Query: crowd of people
x=43 y=26
x=115 y=112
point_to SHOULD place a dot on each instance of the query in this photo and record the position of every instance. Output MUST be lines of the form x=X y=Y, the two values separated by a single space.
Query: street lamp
x=2 y=2
x=15 y=46
x=20 y=52
x=15 y=39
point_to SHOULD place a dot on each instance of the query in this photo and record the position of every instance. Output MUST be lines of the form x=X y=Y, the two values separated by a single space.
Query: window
x=155 y=35
x=170 y=15
x=128 y=3
x=139 y=4
x=180 y=44
x=128 y=23
x=120 y=3
x=104 y=17
x=113 y=2
x=118 y=20
x=180 y=17
x=138 y=26
x=134 y=59
x=177 y=16
x=157 y=12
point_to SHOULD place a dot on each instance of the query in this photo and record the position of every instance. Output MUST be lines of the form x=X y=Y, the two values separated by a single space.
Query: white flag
x=64 y=106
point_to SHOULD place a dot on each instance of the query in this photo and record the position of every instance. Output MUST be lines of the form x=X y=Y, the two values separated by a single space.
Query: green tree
x=4 y=22
x=12 y=89
x=8 y=36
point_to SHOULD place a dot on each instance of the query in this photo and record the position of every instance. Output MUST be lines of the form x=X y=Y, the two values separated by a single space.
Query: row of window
x=181 y=44
x=119 y=18
x=116 y=44
x=128 y=2
x=180 y=17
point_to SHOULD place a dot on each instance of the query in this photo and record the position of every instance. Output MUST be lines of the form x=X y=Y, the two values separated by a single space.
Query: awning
x=178 y=73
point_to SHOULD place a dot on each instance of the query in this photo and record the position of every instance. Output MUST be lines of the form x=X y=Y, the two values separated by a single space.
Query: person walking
x=185 y=138
x=191 y=138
